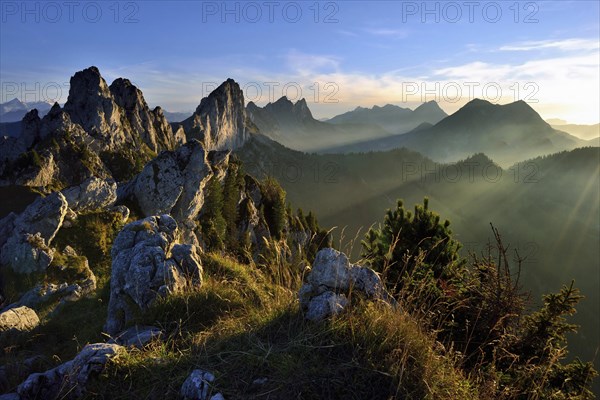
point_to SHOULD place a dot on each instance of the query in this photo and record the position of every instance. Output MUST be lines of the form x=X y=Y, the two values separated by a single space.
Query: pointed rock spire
x=219 y=121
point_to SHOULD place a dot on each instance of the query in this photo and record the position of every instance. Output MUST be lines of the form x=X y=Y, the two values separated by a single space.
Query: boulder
x=124 y=211
x=148 y=262
x=92 y=195
x=331 y=281
x=159 y=185
x=45 y=215
x=69 y=380
x=187 y=258
x=19 y=319
x=27 y=248
x=331 y=269
x=174 y=183
x=67 y=292
x=324 y=305
x=137 y=336
x=197 y=386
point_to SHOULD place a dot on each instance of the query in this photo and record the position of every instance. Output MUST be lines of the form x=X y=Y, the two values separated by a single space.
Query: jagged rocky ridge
x=110 y=132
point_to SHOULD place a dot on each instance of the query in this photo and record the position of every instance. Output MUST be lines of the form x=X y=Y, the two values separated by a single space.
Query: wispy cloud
x=564 y=45
x=390 y=33
x=347 y=33
x=306 y=64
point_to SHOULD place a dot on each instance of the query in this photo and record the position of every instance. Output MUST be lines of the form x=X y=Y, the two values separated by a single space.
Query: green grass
x=67 y=268
x=92 y=236
x=242 y=327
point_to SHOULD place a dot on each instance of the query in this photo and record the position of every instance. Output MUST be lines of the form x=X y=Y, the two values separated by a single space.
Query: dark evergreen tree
x=274 y=206
x=212 y=222
x=406 y=241
x=539 y=349
x=232 y=187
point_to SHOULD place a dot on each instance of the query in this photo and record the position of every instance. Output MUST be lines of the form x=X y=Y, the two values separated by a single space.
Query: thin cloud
x=393 y=33
x=347 y=33
x=306 y=64
x=564 y=45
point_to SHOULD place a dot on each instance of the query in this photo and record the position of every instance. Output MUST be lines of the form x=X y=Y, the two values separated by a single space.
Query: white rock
x=331 y=279
x=18 y=319
x=143 y=268
x=325 y=305
x=27 y=249
x=197 y=385
x=69 y=380
x=92 y=195
x=220 y=119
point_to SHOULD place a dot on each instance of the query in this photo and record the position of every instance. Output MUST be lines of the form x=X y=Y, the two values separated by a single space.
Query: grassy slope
x=555 y=227
x=241 y=327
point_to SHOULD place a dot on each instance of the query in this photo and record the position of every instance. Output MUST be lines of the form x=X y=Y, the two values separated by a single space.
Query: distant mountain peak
x=431 y=107
x=283 y=99
x=301 y=109
x=477 y=103
x=517 y=112
x=228 y=90
x=14 y=101
x=430 y=103
x=281 y=103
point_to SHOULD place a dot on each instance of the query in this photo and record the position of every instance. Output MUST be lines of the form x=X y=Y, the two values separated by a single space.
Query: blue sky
x=339 y=55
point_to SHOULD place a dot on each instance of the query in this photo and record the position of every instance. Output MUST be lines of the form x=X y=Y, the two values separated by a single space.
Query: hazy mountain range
x=176 y=116
x=294 y=126
x=507 y=133
x=15 y=110
x=391 y=118
x=586 y=132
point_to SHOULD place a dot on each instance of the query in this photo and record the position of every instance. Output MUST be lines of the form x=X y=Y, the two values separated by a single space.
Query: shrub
x=406 y=241
x=274 y=206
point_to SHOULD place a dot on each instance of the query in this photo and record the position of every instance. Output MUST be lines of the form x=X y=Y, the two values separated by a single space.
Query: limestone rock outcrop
x=220 y=119
x=151 y=125
x=330 y=282
x=148 y=262
x=27 y=248
x=68 y=380
x=91 y=195
x=197 y=386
